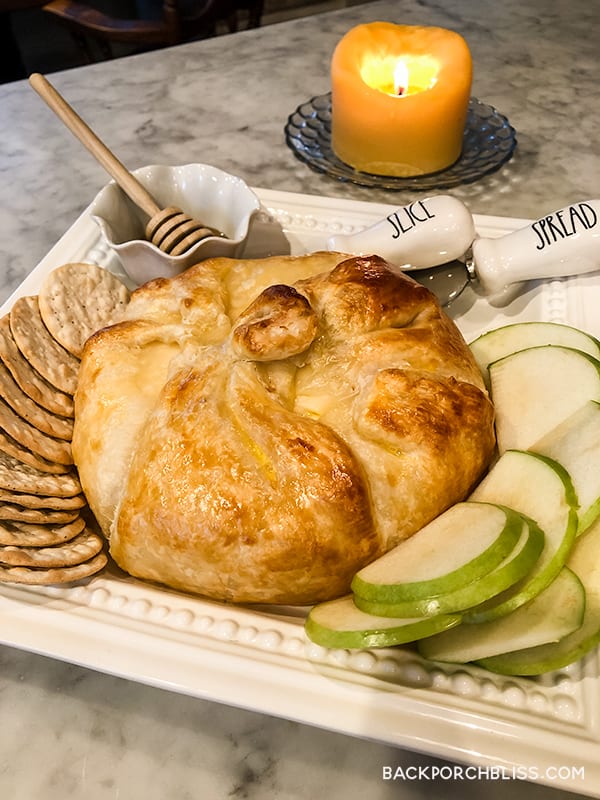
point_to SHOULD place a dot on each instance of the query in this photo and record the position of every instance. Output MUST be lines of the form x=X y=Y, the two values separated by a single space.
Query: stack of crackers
x=46 y=533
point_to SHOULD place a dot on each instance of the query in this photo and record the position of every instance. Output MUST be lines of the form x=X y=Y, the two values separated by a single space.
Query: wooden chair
x=176 y=24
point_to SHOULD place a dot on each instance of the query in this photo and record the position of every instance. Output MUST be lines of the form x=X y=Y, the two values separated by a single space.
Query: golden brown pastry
x=257 y=431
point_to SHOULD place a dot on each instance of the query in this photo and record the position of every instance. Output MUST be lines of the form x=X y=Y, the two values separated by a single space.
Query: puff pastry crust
x=257 y=431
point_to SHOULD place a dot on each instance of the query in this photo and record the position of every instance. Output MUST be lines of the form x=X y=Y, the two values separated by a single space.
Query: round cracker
x=45 y=516
x=40 y=348
x=77 y=299
x=84 y=546
x=31 y=534
x=15 y=449
x=74 y=503
x=19 y=477
x=33 y=439
x=24 y=406
x=30 y=381
x=48 y=577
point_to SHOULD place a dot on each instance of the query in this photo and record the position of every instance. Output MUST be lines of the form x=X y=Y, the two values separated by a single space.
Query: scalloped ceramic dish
x=259 y=658
x=216 y=198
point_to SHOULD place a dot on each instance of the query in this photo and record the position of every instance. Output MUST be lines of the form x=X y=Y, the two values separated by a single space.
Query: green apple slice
x=515 y=566
x=538 y=488
x=534 y=390
x=462 y=544
x=500 y=342
x=340 y=624
x=584 y=561
x=550 y=616
x=575 y=444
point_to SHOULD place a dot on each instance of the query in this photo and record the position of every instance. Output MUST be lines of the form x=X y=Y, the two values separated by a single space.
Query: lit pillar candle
x=400 y=96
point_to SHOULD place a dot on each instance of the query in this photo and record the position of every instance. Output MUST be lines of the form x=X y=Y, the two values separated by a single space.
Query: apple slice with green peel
x=515 y=566
x=340 y=624
x=575 y=444
x=500 y=342
x=541 y=489
x=551 y=615
x=584 y=561
x=534 y=390
x=462 y=544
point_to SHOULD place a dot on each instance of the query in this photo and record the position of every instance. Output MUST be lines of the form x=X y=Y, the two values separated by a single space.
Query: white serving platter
x=546 y=730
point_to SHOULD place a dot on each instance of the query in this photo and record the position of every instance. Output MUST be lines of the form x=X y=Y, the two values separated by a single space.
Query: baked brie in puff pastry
x=257 y=431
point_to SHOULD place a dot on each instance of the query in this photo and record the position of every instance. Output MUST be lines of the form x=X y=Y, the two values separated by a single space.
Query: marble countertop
x=69 y=732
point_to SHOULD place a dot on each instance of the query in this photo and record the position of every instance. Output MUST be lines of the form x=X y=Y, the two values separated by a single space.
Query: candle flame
x=400 y=78
x=399 y=75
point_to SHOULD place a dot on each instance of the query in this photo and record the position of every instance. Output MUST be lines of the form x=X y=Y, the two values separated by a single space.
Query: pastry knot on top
x=257 y=431
x=278 y=324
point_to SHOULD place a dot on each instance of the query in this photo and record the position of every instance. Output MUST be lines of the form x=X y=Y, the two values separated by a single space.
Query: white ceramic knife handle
x=425 y=233
x=566 y=242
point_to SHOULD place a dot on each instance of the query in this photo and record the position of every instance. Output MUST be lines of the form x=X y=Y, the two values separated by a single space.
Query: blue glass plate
x=489 y=142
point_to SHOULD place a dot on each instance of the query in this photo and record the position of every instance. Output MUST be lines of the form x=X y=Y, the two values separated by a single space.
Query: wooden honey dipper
x=170 y=229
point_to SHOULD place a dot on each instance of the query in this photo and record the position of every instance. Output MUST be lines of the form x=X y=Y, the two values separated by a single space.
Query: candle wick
x=400 y=91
